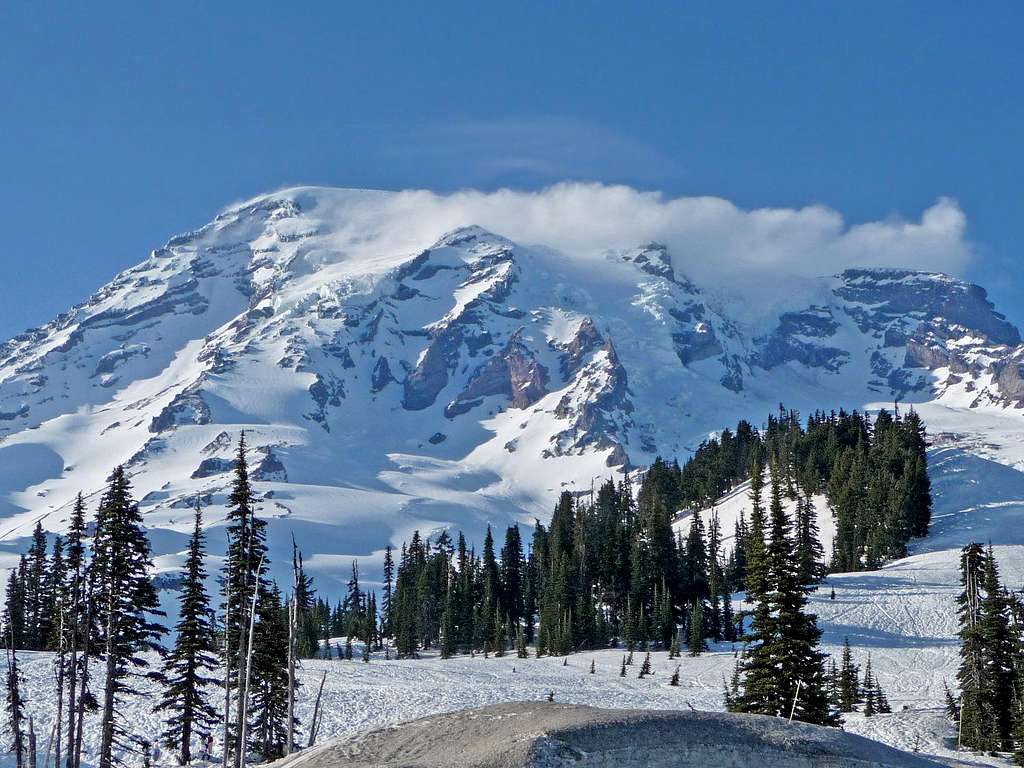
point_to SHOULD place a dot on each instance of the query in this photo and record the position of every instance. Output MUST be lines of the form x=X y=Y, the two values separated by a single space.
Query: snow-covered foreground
x=360 y=696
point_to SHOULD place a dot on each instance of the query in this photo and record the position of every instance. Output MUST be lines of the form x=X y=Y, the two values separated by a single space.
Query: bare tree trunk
x=227 y=682
x=84 y=688
x=241 y=674
x=49 y=744
x=31 y=744
x=73 y=670
x=315 y=725
x=59 y=722
x=244 y=698
x=292 y=612
x=109 y=688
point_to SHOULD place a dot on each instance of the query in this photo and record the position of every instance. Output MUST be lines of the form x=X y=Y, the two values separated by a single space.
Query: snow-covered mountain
x=390 y=380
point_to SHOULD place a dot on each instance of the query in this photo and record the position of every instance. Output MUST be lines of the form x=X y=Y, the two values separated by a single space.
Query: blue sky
x=122 y=124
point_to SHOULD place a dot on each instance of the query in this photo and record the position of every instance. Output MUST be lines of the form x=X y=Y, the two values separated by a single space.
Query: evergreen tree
x=849 y=681
x=36 y=589
x=77 y=626
x=14 y=611
x=1001 y=646
x=268 y=693
x=869 y=693
x=645 y=668
x=124 y=599
x=785 y=659
x=241 y=579
x=976 y=716
x=15 y=706
x=696 y=644
x=189 y=667
x=388 y=596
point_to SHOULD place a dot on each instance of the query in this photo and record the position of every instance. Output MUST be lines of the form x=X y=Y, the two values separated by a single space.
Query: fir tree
x=189 y=667
x=645 y=668
x=15 y=706
x=849 y=681
x=268 y=695
x=124 y=598
x=241 y=580
x=869 y=693
x=696 y=644
x=784 y=657
x=1001 y=648
x=976 y=716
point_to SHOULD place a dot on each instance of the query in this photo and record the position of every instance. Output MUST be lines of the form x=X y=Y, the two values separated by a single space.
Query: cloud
x=541 y=148
x=751 y=262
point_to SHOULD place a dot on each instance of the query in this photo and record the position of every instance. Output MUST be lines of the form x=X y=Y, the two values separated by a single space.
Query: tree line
x=873 y=472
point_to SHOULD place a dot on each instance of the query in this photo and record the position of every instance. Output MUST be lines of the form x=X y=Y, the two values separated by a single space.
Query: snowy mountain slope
x=391 y=379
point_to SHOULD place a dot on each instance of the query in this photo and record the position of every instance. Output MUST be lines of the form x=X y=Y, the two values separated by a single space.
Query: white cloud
x=754 y=261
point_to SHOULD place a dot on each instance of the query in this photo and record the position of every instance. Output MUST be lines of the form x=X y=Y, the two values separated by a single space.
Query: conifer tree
x=784 y=656
x=849 y=681
x=190 y=666
x=15 y=706
x=951 y=704
x=869 y=693
x=388 y=596
x=268 y=696
x=241 y=579
x=976 y=715
x=696 y=644
x=645 y=668
x=14 y=611
x=125 y=599
x=1002 y=647
x=76 y=623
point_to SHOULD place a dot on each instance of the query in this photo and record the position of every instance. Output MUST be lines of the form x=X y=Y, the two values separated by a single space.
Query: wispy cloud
x=545 y=148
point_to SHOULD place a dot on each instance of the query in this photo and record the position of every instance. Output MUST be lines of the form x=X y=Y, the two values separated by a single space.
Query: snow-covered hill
x=390 y=379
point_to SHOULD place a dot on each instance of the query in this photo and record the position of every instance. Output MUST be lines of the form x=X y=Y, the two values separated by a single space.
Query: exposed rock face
x=892 y=293
x=597 y=409
x=1009 y=376
x=548 y=735
x=513 y=372
x=186 y=408
x=696 y=344
x=802 y=337
x=213 y=466
x=381 y=375
x=584 y=342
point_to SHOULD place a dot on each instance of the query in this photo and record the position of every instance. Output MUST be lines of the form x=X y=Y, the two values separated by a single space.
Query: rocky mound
x=542 y=735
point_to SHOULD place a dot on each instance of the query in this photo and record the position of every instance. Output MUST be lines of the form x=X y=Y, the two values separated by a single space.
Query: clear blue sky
x=122 y=124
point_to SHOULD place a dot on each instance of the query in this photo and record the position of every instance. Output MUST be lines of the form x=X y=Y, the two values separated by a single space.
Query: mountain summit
x=387 y=384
